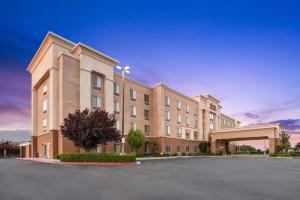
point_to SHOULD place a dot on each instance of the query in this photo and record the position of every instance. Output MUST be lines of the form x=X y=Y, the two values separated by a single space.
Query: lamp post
x=123 y=70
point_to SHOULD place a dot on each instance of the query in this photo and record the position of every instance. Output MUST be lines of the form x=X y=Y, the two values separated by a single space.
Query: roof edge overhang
x=48 y=40
x=81 y=48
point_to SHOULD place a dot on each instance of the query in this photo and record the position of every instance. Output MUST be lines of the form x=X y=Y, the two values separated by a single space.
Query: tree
x=285 y=143
x=88 y=129
x=247 y=148
x=297 y=147
x=135 y=139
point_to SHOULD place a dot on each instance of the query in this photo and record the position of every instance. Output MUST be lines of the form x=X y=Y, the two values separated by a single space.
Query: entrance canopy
x=267 y=131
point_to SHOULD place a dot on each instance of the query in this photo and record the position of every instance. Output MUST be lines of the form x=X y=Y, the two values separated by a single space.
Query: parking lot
x=187 y=178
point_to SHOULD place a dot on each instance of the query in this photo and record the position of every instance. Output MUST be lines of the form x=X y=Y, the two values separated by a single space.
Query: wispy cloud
x=290 y=124
x=252 y=115
x=15 y=136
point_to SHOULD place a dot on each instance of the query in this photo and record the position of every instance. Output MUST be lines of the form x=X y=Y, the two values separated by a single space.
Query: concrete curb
x=179 y=157
x=58 y=162
x=102 y=163
x=283 y=157
x=41 y=160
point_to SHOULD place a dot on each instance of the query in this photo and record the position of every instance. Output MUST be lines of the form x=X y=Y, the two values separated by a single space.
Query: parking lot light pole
x=123 y=70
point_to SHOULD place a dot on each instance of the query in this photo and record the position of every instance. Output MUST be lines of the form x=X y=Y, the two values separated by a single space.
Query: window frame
x=98 y=79
x=133 y=111
x=132 y=94
x=116 y=89
x=146 y=99
x=95 y=102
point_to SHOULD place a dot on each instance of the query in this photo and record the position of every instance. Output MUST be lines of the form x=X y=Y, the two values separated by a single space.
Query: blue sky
x=245 y=53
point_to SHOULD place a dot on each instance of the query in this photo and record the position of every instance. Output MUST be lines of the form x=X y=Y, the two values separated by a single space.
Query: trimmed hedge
x=290 y=154
x=96 y=157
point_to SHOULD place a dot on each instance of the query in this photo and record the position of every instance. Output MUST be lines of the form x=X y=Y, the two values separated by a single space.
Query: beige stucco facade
x=64 y=75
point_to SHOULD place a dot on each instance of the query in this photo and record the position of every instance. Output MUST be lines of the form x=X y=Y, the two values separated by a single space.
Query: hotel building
x=69 y=76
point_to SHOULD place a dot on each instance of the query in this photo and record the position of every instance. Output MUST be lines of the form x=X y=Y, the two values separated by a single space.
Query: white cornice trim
x=266 y=126
x=176 y=92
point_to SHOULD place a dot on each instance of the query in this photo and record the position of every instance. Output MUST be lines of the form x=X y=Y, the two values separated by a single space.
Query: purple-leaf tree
x=87 y=129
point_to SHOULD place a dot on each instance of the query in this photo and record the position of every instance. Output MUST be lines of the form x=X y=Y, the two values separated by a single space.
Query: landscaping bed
x=290 y=154
x=96 y=157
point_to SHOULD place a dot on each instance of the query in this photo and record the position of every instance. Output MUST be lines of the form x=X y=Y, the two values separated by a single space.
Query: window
x=211 y=126
x=178 y=119
x=228 y=123
x=187 y=134
x=96 y=81
x=133 y=111
x=147 y=129
x=231 y=124
x=168 y=116
x=45 y=106
x=195 y=149
x=117 y=148
x=116 y=107
x=178 y=149
x=118 y=124
x=99 y=148
x=146 y=99
x=146 y=114
x=211 y=116
x=187 y=108
x=224 y=122
x=195 y=111
x=168 y=148
x=187 y=148
x=116 y=88
x=132 y=94
x=133 y=125
x=195 y=123
x=178 y=105
x=187 y=121
x=178 y=132
x=45 y=89
x=167 y=101
x=96 y=102
x=44 y=124
x=195 y=135
x=168 y=131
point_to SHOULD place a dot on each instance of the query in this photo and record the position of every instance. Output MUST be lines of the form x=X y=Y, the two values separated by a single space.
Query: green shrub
x=96 y=157
x=174 y=154
x=282 y=155
x=290 y=154
x=295 y=154
x=183 y=154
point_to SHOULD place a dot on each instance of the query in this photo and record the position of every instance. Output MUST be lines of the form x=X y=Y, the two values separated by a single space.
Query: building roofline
x=208 y=96
x=173 y=90
x=132 y=80
x=48 y=35
x=265 y=126
x=228 y=116
x=102 y=55
x=72 y=46
x=24 y=144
